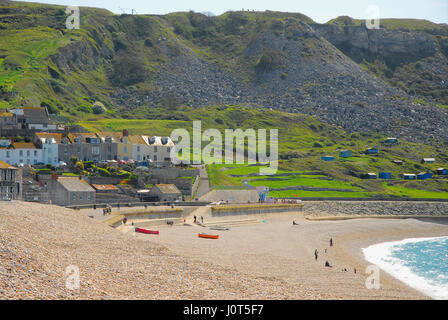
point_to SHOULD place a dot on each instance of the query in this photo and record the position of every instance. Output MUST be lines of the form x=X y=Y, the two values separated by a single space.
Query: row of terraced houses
x=51 y=148
x=48 y=143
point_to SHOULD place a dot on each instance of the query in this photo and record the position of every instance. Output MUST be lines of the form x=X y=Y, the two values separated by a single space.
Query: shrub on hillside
x=269 y=60
x=98 y=108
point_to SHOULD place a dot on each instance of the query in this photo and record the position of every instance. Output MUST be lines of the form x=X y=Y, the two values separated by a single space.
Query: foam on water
x=421 y=263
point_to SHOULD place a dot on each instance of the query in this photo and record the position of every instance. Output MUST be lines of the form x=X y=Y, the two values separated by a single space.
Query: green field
x=302 y=142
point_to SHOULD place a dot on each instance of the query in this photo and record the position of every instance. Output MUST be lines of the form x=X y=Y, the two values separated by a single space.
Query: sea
x=421 y=263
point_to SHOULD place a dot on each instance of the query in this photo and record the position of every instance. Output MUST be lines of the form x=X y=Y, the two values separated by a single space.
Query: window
x=138 y=157
x=21 y=153
x=138 y=148
x=80 y=196
x=96 y=150
x=155 y=157
x=155 y=149
x=35 y=152
x=74 y=196
x=168 y=149
x=27 y=153
x=8 y=154
x=88 y=195
x=125 y=149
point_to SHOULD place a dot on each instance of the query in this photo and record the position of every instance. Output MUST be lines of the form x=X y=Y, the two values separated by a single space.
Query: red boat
x=208 y=236
x=141 y=230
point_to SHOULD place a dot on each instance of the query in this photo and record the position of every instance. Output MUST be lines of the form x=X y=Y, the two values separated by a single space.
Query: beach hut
x=398 y=162
x=371 y=151
x=345 y=153
x=328 y=158
x=442 y=171
x=369 y=175
x=409 y=176
x=428 y=160
x=385 y=175
x=391 y=140
x=424 y=176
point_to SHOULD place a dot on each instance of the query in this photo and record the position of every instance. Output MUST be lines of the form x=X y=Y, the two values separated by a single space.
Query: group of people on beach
x=107 y=210
x=196 y=220
x=327 y=264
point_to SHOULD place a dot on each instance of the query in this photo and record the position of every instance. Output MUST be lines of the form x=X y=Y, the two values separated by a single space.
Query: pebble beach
x=271 y=260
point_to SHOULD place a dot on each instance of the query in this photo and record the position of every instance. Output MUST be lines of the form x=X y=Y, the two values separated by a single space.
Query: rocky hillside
x=341 y=73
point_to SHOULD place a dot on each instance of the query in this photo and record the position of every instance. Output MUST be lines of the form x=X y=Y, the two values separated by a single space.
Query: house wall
x=16 y=156
x=50 y=153
x=10 y=184
x=42 y=127
x=61 y=196
x=88 y=151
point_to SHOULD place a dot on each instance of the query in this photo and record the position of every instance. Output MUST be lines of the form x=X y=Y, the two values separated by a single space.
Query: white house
x=49 y=151
x=159 y=149
x=21 y=152
x=49 y=143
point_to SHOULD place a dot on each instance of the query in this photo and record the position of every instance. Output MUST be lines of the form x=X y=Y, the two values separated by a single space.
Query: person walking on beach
x=194 y=219
x=202 y=219
x=331 y=242
x=316 y=253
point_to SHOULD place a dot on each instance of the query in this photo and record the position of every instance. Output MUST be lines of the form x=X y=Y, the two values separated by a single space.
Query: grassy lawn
x=323 y=194
x=290 y=181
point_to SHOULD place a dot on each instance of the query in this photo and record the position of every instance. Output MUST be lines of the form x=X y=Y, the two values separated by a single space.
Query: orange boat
x=208 y=236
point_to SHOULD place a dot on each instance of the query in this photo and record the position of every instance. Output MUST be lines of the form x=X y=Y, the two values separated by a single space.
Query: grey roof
x=168 y=188
x=75 y=184
x=36 y=115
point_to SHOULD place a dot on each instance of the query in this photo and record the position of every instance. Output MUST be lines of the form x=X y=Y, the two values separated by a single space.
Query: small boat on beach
x=220 y=228
x=208 y=236
x=145 y=231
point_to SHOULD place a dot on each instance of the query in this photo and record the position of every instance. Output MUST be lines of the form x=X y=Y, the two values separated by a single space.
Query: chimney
x=125 y=132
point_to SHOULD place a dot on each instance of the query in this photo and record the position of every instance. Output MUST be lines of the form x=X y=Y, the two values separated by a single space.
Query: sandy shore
x=277 y=249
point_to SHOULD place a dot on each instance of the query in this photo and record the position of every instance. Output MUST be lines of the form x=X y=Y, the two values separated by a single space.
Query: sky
x=319 y=10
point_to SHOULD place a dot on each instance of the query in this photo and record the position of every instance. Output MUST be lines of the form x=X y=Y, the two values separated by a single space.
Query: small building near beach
x=385 y=175
x=369 y=175
x=428 y=160
x=328 y=158
x=424 y=175
x=442 y=171
x=398 y=162
x=70 y=191
x=345 y=153
x=165 y=192
x=105 y=188
x=373 y=150
x=391 y=140
x=409 y=176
